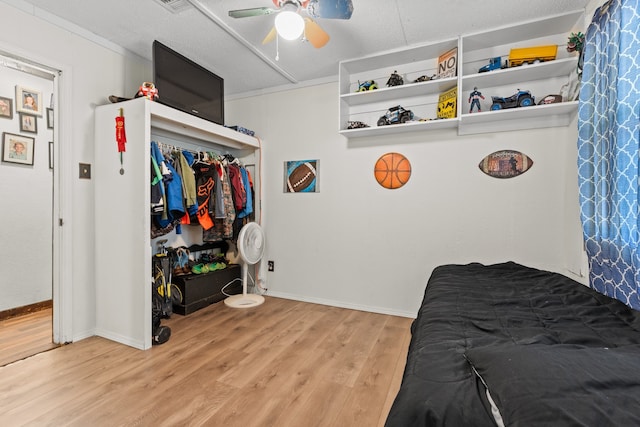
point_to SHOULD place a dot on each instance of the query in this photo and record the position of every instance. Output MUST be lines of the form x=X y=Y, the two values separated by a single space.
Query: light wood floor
x=284 y=363
x=25 y=335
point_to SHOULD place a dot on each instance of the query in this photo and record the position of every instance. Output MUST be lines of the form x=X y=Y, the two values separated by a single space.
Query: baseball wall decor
x=301 y=176
x=392 y=170
x=505 y=164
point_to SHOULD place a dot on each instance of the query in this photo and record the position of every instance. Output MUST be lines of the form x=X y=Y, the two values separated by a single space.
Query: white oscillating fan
x=251 y=248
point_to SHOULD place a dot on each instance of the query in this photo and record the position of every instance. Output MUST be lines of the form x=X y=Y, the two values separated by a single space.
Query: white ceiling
x=204 y=32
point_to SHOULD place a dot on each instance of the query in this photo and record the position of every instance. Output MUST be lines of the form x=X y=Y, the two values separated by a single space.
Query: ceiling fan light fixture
x=290 y=25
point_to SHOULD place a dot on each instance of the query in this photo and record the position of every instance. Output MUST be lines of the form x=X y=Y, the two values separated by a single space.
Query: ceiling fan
x=290 y=24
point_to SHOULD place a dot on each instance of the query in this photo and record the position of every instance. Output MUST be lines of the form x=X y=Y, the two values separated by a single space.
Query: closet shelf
x=178 y=122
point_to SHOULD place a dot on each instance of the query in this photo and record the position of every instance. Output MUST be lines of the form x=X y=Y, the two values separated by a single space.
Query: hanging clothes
x=219 y=208
x=172 y=184
x=237 y=188
x=248 y=206
x=157 y=189
x=205 y=182
x=223 y=228
x=185 y=160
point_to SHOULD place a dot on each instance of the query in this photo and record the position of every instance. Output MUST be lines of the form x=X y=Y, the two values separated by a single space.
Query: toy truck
x=530 y=55
x=494 y=64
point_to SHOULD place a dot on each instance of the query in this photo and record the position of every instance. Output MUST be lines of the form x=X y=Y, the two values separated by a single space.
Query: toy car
x=395 y=79
x=395 y=115
x=550 y=99
x=356 y=124
x=494 y=64
x=522 y=98
x=367 y=85
x=532 y=55
x=424 y=79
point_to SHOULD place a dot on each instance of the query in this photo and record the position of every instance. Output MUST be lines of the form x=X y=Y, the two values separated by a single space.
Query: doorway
x=27 y=188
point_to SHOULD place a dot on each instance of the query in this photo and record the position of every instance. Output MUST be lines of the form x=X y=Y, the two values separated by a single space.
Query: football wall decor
x=392 y=170
x=301 y=176
x=505 y=164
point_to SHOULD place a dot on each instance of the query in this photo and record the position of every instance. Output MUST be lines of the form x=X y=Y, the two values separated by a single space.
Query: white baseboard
x=84 y=335
x=120 y=339
x=341 y=304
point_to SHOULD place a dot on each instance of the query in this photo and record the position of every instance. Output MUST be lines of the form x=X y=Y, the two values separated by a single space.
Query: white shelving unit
x=421 y=98
x=474 y=51
x=122 y=207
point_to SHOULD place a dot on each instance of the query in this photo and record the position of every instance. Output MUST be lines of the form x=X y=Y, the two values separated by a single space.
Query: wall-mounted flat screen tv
x=187 y=86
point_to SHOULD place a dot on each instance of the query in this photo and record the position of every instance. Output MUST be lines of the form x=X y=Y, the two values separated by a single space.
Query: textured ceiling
x=205 y=33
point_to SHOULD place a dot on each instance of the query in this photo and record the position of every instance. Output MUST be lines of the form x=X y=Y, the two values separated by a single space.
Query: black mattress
x=549 y=351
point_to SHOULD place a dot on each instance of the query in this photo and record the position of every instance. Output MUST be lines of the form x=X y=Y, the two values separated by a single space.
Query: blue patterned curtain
x=608 y=145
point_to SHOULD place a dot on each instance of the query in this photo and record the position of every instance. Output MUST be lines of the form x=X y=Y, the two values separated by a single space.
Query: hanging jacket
x=248 y=207
x=204 y=187
x=157 y=188
x=223 y=228
x=188 y=181
x=237 y=188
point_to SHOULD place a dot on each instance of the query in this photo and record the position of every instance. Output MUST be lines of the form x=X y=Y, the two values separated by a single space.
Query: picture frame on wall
x=17 y=148
x=28 y=101
x=28 y=123
x=301 y=176
x=49 y=118
x=6 y=108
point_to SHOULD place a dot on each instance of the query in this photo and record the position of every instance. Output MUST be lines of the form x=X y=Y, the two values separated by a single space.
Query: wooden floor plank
x=25 y=335
x=285 y=363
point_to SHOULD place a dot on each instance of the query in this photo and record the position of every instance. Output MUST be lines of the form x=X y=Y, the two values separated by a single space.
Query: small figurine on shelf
x=575 y=44
x=367 y=85
x=395 y=79
x=356 y=124
x=474 y=99
x=148 y=90
x=424 y=78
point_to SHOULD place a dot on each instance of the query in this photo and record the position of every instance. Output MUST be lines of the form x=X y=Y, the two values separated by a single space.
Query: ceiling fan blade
x=316 y=35
x=270 y=37
x=330 y=9
x=256 y=11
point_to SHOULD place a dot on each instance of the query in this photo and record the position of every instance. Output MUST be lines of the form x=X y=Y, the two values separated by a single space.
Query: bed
x=510 y=345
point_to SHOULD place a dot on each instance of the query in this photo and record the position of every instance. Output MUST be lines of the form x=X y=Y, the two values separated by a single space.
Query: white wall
x=356 y=244
x=97 y=71
x=25 y=191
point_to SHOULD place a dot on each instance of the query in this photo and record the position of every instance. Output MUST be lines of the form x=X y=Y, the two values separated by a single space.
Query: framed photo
x=17 y=148
x=301 y=176
x=28 y=101
x=28 y=123
x=6 y=108
x=49 y=118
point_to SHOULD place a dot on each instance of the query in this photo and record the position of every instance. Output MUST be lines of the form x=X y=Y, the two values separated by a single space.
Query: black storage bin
x=200 y=290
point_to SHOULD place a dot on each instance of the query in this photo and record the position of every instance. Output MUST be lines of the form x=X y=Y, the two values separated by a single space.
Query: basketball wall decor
x=505 y=164
x=301 y=176
x=392 y=170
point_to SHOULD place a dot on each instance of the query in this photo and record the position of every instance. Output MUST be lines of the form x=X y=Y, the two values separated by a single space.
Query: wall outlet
x=270 y=265
x=85 y=171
